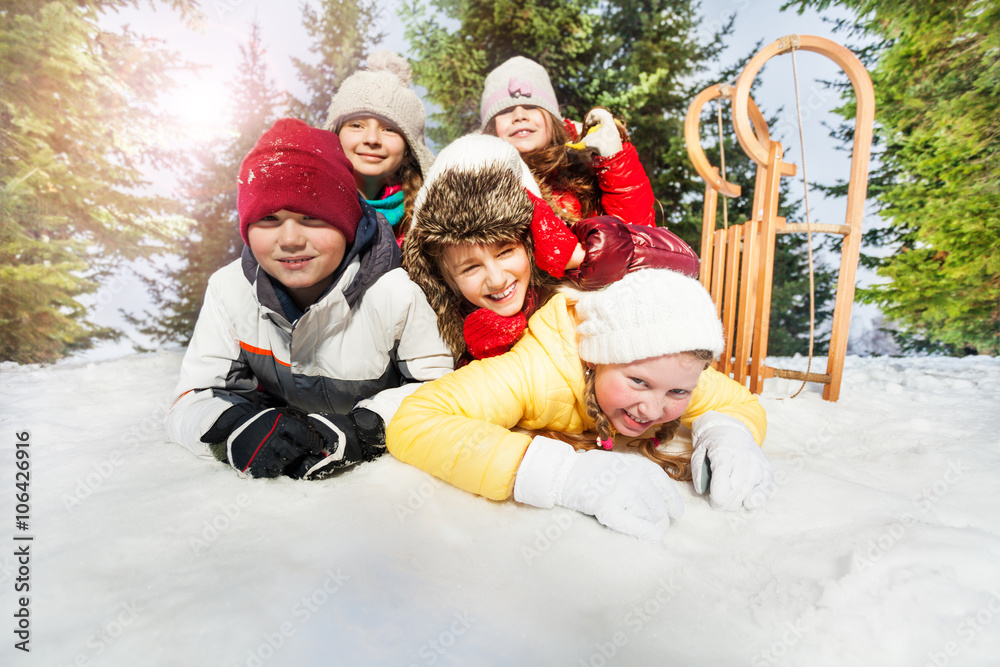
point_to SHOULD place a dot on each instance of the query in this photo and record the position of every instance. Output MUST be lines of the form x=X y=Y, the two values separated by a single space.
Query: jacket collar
x=374 y=249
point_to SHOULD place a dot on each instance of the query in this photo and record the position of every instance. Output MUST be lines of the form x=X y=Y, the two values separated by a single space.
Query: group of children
x=494 y=316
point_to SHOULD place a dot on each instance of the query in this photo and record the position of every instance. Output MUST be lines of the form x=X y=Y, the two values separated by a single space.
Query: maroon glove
x=659 y=248
x=608 y=245
x=614 y=249
x=488 y=334
x=554 y=243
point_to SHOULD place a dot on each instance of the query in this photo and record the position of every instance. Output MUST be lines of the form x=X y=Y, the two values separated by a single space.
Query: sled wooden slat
x=818 y=378
x=816 y=227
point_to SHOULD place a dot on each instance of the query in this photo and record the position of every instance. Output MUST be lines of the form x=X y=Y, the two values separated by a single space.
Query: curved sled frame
x=729 y=256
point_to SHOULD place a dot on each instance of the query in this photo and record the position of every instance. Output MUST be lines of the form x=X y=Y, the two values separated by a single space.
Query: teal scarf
x=391 y=207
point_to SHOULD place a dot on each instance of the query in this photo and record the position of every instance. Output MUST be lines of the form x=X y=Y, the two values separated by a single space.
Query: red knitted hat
x=298 y=168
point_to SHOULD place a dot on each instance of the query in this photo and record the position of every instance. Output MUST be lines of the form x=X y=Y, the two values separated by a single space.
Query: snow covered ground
x=880 y=546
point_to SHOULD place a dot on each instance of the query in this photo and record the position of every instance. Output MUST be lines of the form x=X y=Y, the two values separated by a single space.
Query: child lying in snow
x=481 y=233
x=623 y=359
x=314 y=315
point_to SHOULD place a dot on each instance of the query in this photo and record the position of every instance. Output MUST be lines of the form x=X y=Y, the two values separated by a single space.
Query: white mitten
x=741 y=473
x=602 y=138
x=386 y=402
x=626 y=492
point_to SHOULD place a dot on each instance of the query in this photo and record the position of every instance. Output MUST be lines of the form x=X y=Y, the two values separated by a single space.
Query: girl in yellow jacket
x=624 y=359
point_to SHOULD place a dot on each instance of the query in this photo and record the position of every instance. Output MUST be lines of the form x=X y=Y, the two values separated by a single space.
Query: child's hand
x=626 y=492
x=741 y=473
x=555 y=245
x=269 y=442
x=488 y=334
x=608 y=248
x=347 y=439
x=603 y=137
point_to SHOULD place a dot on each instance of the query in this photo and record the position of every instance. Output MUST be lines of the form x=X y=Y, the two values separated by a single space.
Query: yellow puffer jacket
x=458 y=427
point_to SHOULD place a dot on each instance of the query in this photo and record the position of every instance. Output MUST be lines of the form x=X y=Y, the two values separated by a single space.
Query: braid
x=677 y=466
x=604 y=429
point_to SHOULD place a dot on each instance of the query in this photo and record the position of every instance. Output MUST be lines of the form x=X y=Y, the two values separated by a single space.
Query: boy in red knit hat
x=315 y=316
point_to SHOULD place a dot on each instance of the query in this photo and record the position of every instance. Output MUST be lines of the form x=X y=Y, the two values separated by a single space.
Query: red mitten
x=554 y=243
x=609 y=247
x=488 y=334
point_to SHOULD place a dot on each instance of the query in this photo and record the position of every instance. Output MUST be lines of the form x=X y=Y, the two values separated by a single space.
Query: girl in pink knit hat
x=584 y=173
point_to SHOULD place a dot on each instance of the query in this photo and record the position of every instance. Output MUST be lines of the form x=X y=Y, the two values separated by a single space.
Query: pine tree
x=342 y=34
x=214 y=241
x=78 y=121
x=935 y=67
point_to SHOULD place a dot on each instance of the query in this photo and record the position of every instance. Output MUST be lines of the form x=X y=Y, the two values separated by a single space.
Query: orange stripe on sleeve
x=263 y=352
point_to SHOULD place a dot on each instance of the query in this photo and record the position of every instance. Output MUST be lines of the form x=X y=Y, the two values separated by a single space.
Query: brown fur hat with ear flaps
x=475 y=193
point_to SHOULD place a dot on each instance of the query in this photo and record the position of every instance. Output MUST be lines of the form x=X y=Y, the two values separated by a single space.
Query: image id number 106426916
x=22 y=540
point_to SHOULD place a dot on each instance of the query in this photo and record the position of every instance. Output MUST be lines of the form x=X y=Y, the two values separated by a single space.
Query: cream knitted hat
x=382 y=90
x=517 y=81
x=648 y=313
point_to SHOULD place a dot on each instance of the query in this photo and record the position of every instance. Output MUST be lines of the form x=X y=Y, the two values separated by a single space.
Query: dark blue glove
x=270 y=442
x=346 y=440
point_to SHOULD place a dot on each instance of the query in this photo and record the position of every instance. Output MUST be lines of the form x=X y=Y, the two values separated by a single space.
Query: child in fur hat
x=487 y=250
x=380 y=122
x=315 y=315
x=629 y=358
x=600 y=174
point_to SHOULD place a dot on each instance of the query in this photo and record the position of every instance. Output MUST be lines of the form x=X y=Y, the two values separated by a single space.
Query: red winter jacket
x=625 y=189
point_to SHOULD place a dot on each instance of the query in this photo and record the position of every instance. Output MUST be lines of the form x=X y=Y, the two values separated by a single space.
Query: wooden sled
x=737 y=263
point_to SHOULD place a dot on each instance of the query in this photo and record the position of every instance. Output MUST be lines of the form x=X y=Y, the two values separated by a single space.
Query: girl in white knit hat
x=598 y=173
x=380 y=122
x=632 y=359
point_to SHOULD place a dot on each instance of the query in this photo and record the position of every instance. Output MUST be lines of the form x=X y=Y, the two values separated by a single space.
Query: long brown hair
x=677 y=466
x=409 y=177
x=556 y=168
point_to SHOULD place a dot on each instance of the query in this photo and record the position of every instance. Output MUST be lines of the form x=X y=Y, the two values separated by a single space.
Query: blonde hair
x=678 y=466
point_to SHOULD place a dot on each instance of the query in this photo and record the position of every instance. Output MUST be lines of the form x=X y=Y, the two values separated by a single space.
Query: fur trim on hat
x=382 y=90
x=472 y=195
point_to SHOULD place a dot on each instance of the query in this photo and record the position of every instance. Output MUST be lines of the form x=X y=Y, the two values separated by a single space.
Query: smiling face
x=299 y=252
x=493 y=276
x=376 y=150
x=526 y=128
x=637 y=395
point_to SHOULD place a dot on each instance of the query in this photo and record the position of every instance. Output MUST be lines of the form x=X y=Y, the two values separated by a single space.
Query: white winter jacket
x=370 y=331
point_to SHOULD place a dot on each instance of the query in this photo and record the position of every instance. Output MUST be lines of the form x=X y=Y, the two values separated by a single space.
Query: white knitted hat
x=382 y=90
x=648 y=313
x=517 y=81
